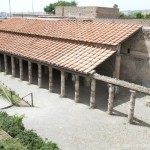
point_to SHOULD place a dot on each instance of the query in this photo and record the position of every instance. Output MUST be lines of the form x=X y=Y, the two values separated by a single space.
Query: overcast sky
x=26 y=5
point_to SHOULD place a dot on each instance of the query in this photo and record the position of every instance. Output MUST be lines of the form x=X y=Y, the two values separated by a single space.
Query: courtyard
x=74 y=126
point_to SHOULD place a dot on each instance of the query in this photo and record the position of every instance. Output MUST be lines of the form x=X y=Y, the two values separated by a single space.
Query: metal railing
x=10 y=95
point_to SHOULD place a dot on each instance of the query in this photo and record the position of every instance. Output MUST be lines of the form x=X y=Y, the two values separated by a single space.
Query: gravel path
x=76 y=127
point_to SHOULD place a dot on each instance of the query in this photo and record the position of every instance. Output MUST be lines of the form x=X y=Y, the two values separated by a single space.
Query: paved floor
x=76 y=127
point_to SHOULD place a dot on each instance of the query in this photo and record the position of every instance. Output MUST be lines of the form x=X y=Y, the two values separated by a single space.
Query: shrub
x=49 y=146
x=11 y=144
x=14 y=127
x=30 y=139
x=11 y=124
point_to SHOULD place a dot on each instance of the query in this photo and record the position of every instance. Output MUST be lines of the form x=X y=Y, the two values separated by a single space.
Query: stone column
x=93 y=89
x=111 y=98
x=87 y=82
x=50 y=79
x=30 y=71
x=13 y=66
x=131 y=107
x=39 y=75
x=77 y=86
x=62 y=83
x=21 y=69
x=5 y=63
x=117 y=71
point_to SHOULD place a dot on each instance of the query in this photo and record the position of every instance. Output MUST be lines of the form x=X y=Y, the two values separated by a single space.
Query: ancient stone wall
x=135 y=62
x=86 y=12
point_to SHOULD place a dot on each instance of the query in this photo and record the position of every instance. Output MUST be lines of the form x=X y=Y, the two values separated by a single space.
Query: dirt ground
x=73 y=126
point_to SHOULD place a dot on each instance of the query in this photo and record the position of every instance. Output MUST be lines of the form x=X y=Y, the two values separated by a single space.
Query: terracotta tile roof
x=102 y=33
x=82 y=58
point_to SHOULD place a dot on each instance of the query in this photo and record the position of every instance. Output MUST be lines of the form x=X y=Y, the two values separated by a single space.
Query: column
x=50 y=79
x=62 y=83
x=5 y=63
x=87 y=82
x=131 y=107
x=77 y=88
x=117 y=71
x=21 y=69
x=39 y=75
x=13 y=66
x=93 y=88
x=111 y=98
x=30 y=71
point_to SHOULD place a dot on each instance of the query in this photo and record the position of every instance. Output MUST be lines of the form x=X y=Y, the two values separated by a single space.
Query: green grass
x=15 y=99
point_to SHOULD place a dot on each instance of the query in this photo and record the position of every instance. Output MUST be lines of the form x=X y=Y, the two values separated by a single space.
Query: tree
x=122 y=15
x=139 y=15
x=115 y=6
x=51 y=7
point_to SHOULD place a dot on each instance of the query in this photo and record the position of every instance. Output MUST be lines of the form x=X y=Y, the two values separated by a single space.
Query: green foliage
x=30 y=139
x=11 y=124
x=139 y=15
x=49 y=146
x=11 y=144
x=14 y=127
x=14 y=98
x=51 y=7
x=147 y=16
x=122 y=15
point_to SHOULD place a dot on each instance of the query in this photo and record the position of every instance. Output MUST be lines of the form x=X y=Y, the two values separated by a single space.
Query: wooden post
x=93 y=89
x=77 y=86
x=111 y=98
x=21 y=69
x=5 y=63
x=50 y=79
x=30 y=71
x=131 y=107
x=39 y=75
x=13 y=66
x=62 y=83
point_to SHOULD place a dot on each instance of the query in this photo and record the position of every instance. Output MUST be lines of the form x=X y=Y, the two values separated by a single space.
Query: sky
x=26 y=5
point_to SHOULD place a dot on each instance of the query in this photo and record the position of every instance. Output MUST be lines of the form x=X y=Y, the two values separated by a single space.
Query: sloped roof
x=95 y=32
x=72 y=56
x=73 y=45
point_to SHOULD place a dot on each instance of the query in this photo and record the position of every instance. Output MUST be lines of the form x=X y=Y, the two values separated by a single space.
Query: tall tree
x=51 y=7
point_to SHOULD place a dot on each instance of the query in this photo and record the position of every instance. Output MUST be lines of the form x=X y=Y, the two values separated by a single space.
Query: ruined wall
x=102 y=12
x=135 y=62
x=86 y=12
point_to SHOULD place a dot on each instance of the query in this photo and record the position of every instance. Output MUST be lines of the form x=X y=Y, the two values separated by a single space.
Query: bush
x=11 y=144
x=14 y=127
x=11 y=124
x=30 y=139
x=49 y=146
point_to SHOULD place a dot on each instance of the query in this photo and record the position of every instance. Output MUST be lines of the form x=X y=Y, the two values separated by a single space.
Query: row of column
x=93 y=86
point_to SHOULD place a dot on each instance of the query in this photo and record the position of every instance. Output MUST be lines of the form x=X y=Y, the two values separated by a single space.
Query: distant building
x=86 y=12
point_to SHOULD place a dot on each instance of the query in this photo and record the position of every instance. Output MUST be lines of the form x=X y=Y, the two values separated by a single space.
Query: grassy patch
x=12 y=97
